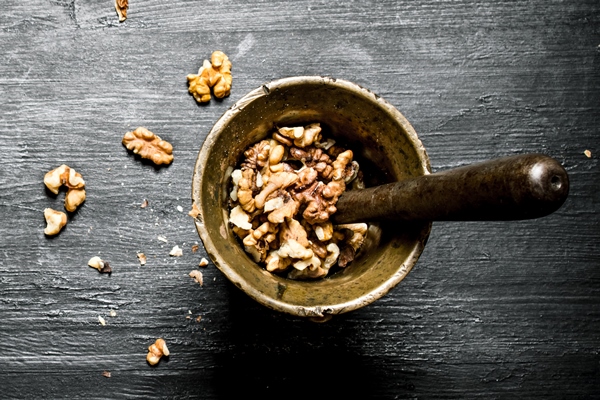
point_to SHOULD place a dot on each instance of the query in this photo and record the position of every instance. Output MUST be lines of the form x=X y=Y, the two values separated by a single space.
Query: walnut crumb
x=99 y=264
x=197 y=276
x=156 y=351
x=588 y=154
x=176 y=251
x=112 y=313
x=194 y=212
x=203 y=262
x=142 y=258
x=195 y=248
x=106 y=374
x=144 y=204
x=101 y=320
x=121 y=7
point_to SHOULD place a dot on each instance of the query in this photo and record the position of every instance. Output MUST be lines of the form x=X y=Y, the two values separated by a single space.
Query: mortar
x=375 y=131
x=395 y=164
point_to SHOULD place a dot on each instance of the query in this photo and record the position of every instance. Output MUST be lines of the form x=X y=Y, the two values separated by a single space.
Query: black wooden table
x=492 y=310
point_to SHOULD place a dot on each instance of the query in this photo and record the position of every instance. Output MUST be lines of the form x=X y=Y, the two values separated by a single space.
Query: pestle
x=509 y=188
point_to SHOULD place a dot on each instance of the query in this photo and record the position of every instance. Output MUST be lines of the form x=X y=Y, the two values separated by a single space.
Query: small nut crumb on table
x=490 y=311
x=156 y=351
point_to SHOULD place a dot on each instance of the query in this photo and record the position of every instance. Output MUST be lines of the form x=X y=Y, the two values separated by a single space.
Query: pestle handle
x=509 y=188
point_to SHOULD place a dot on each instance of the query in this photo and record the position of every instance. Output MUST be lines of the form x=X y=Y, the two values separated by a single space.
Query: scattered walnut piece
x=588 y=154
x=121 y=8
x=198 y=318
x=215 y=74
x=101 y=320
x=55 y=221
x=197 y=276
x=64 y=175
x=142 y=258
x=194 y=212
x=195 y=248
x=176 y=251
x=144 y=204
x=106 y=374
x=112 y=313
x=99 y=264
x=203 y=262
x=156 y=351
x=148 y=145
x=162 y=239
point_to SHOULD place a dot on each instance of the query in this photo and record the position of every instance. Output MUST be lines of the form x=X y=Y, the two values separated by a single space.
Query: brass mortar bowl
x=373 y=129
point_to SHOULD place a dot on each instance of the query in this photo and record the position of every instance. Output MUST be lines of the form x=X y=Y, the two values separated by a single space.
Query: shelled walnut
x=215 y=74
x=66 y=176
x=156 y=350
x=55 y=221
x=121 y=8
x=148 y=145
x=283 y=195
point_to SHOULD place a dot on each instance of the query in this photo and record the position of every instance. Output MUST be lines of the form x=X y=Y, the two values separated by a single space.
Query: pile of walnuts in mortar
x=283 y=195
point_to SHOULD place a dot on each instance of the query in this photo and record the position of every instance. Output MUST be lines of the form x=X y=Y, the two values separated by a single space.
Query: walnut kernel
x=156 y=351
x=55 y=221
x=121 y=8
x=148 y=145
x=99 y=264
x=215 y=74
x=66 y=176
x=197 y=276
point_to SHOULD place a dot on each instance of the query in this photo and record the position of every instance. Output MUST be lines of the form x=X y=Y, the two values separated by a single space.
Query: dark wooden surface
x=492 y=310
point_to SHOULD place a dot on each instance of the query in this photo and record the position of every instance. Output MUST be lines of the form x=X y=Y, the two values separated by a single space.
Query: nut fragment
x=215 y=74
x=106 y=374
x=203 y=262
x=64 y=175
x=121 y=8
x=148 y=145
x=101 y=320
x=55 y=220
x=142 y=258
x=197 y=276
x=194 y=211
x=176 y=251
x=156 y=351
x=239 y=218
x=99 y=264
x=588 y=153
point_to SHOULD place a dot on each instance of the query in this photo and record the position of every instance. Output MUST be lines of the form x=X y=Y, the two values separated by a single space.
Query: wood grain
x=492 y=310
